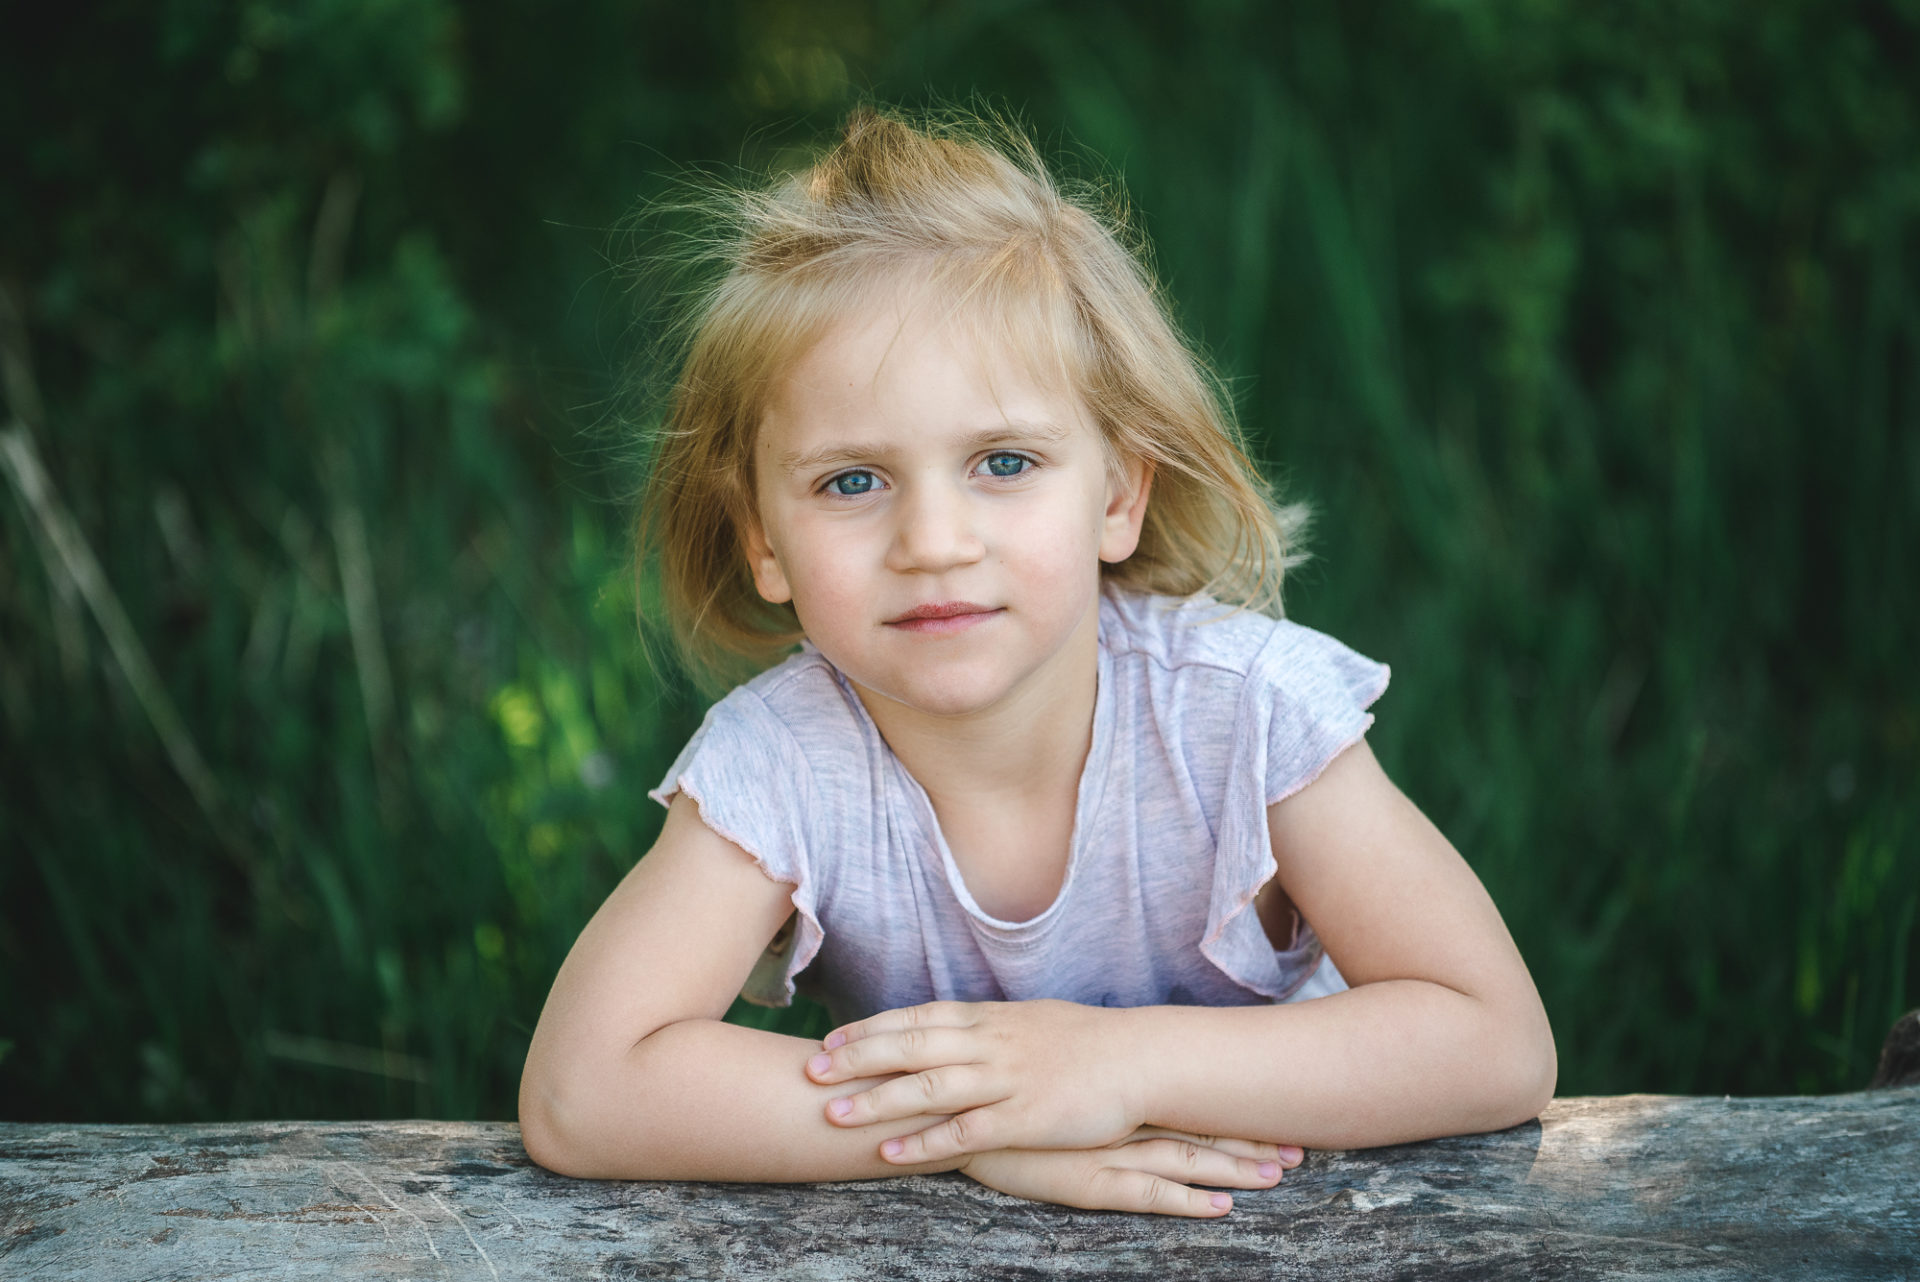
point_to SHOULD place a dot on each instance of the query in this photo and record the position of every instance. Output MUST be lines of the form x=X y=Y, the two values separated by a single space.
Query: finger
x=926 y=1015
x=1191 y=1163
x=974 y=1131
x=1288 y=1155
x=1256 y=1149
x=1123 y=1189
x=950 y=1088
x=906 y=1051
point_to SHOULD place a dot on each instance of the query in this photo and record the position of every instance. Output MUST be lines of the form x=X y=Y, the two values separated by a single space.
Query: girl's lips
x=943 y=620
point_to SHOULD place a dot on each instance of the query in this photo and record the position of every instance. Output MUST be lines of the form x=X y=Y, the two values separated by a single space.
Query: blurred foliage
x=1591 y=333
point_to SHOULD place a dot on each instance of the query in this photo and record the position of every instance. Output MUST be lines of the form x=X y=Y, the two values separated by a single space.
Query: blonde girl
x=1065 y=825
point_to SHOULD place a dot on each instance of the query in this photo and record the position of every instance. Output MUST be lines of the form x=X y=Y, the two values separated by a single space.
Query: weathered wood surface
x=1622 y=1187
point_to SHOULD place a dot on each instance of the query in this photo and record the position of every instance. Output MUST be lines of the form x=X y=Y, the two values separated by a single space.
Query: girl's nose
x=936 y=531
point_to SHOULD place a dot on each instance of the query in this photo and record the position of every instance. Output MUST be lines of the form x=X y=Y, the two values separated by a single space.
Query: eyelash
x=826 y=487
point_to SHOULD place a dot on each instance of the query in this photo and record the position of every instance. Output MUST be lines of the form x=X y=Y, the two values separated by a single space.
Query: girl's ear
x=1127 y=489
x=769 y=580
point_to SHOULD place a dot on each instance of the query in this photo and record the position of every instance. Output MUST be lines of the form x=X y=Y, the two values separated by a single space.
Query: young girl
x=1061 y=821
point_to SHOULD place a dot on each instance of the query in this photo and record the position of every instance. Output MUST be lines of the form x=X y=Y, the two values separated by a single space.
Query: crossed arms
x=632 y=1075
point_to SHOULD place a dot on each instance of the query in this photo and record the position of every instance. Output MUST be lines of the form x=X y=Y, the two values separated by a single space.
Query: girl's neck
x=1032 y=744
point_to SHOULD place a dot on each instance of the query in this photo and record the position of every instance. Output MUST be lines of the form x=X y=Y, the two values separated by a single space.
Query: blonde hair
x=967 y=205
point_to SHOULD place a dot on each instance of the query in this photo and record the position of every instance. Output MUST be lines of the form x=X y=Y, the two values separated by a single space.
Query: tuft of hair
x=960 y=209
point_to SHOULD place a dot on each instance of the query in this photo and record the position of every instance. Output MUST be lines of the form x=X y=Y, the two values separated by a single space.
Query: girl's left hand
x=1034 y=1074
x=1148 y=1171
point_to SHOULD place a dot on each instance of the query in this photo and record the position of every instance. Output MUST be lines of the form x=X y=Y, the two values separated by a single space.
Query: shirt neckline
x=1091 y=792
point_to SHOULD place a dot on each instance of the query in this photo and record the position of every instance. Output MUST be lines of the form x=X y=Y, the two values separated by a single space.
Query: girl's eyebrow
x=854 y=452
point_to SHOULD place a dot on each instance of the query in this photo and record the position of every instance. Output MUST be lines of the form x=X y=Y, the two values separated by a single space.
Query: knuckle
x=971 y=1131
x=913 y=1040
x=1190 y=1156
x=930 y=1084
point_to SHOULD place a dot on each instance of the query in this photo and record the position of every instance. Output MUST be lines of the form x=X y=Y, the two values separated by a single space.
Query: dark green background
x=1591 y=332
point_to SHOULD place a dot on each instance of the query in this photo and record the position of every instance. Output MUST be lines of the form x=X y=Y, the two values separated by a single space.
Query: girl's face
x=937 y=517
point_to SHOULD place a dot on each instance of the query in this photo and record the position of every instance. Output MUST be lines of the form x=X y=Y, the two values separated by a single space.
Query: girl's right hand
x=1148 y=1171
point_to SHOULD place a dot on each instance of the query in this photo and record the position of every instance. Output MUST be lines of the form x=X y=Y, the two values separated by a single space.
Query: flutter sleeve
x=1304 y=703
x=754 y=788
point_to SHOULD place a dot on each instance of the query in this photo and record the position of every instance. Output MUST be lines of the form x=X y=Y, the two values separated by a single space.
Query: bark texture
x=1617 y=1187
x=1900 y=1056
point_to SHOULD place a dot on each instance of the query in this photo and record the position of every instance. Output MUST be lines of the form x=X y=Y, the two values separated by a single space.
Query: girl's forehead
x=879 y=385
x=913 y=344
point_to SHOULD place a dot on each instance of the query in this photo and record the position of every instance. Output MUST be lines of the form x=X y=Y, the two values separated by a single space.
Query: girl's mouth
x=943 y=617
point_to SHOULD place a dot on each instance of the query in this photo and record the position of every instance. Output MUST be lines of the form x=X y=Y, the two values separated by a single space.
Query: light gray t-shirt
x=1203 y=717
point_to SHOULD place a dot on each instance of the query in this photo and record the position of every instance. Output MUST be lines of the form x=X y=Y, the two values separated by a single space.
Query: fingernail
x=835 y=1040
x=1269 y=1169
x=819 y=1063
x=1221 y=1201
x=840 y=1107
x=892 y=1148
x=1288 y=1153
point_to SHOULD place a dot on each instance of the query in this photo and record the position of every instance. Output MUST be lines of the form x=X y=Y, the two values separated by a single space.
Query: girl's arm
x=1442 y=1032
x=632 y=1075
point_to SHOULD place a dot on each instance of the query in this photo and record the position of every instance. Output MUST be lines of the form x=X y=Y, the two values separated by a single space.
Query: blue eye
x=850 y=484
x=1007 y=464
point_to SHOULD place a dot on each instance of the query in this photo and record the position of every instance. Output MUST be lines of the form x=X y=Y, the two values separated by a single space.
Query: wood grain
x=1616 y=1187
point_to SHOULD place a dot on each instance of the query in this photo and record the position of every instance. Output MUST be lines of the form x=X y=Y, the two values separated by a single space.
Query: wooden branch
x=1622 y=1187
x=1900 y=1055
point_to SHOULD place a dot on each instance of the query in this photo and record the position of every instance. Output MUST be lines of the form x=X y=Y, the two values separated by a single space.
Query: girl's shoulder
x=1198 y=632
x=803 y=695
x=1273 y=698
x=779 y=723
x=803 y=677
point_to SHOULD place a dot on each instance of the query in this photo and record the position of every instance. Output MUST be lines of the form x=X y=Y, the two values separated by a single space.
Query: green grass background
x=1591 y=332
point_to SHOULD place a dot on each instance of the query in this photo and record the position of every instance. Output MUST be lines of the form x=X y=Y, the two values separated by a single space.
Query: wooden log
x=1900 y=1054
x=1617 y=1187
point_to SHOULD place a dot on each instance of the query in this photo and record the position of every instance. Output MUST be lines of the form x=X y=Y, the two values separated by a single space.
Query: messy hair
x=964 y=207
